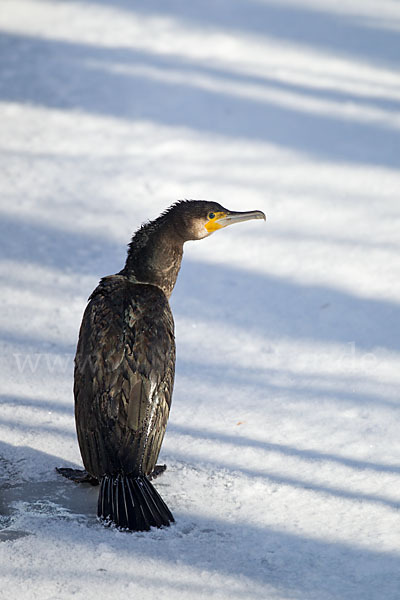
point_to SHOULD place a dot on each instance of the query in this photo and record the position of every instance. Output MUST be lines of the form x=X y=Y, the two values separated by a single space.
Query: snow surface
x=283 y=446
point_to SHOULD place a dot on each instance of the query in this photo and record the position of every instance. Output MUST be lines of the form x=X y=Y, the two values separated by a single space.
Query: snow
x=282 y=447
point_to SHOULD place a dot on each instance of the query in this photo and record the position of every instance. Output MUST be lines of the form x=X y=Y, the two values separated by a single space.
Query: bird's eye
x=211 y=215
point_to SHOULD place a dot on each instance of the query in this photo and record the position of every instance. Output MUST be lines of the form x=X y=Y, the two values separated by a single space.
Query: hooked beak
x=230 y=218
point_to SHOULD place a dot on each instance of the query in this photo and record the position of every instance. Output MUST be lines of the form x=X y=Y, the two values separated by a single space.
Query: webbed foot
x=77 y=475
x=158 y=470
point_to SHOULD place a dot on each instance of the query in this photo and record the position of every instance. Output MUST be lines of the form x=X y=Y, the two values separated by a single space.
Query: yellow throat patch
x=213 y=224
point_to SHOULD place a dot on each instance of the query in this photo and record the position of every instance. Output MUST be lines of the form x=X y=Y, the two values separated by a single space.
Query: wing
x=124 y=374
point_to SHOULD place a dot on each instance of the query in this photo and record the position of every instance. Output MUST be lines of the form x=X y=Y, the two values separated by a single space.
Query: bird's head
x=197 y=219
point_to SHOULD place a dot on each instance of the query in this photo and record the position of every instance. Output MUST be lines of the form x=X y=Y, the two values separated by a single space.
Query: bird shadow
x=292 y=563
x=295 y=564
x=40 y=490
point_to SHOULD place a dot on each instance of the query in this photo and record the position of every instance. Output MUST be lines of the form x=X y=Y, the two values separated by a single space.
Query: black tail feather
x=132 y=503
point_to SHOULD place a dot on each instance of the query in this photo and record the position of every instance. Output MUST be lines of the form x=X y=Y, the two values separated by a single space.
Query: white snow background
x=283 y=446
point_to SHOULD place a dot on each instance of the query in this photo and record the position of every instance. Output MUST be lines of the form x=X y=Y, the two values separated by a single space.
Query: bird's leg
x=77 y=475
x=158 y=470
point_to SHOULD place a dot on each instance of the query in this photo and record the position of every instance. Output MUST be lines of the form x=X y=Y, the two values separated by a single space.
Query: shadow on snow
x=343 y=35
x=74 y=76
x=310 y=312
x=308 y=567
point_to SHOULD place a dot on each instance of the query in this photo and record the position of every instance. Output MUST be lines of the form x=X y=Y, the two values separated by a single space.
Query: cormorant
x=125 y=363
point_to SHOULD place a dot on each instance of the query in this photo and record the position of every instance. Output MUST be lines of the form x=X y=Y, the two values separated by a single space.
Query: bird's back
x=124 y=373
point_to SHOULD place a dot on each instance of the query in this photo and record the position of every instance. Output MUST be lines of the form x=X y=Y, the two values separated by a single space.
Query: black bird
x=125 y=364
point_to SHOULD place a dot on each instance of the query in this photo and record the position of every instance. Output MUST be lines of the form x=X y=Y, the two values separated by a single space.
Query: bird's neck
x=155 y=255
